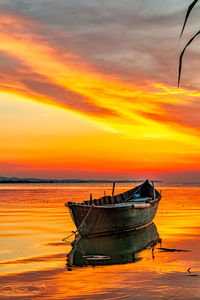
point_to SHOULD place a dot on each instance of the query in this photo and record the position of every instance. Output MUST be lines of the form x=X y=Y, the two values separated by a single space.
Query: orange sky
x=70 y=112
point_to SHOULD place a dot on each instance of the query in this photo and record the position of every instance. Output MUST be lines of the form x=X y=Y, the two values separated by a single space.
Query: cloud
x=135 y=40
x=103 y=63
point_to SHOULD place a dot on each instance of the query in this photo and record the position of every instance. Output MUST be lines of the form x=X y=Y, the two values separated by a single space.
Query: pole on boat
x=113 y=189
x=90 y=196
x=154 y=192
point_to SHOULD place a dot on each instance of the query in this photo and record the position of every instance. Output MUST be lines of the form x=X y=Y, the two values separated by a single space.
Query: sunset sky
x=88 y=90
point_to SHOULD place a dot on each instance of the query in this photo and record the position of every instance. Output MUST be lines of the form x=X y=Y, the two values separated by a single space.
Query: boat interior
x=141 y=193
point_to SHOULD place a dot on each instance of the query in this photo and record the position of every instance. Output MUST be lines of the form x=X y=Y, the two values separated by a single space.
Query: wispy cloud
x=65 y=78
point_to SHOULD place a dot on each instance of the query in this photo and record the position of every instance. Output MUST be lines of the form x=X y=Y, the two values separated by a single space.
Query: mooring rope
x=130 y=197
x=74 y=232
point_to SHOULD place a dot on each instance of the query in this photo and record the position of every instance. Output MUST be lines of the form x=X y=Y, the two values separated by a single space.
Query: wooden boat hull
x=103 y=220
x=118 y=248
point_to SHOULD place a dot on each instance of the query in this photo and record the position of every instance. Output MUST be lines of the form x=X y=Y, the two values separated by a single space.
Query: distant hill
x=37 y=180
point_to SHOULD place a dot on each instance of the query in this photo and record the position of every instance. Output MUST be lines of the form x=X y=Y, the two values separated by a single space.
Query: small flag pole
x=113 y=189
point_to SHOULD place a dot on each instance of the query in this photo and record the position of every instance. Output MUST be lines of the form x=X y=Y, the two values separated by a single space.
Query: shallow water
x=35 y=263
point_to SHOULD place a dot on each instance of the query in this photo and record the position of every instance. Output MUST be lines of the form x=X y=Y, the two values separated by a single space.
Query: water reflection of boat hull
x=116 y=249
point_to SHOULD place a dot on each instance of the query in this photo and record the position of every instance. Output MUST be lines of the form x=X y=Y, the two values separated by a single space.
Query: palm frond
x=181 y=56
x=191 y=6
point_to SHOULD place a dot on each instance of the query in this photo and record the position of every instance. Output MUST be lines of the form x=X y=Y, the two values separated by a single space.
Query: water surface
x=35 y=262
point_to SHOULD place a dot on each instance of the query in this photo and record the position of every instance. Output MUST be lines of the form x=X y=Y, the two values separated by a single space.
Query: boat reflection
x=110 y=250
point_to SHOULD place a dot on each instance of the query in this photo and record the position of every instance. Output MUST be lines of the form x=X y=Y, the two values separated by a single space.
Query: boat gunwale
x=114 y=206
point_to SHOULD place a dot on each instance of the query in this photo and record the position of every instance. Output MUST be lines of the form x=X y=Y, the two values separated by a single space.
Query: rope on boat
x=133 y=194
x=138 y=189
x=74 y=232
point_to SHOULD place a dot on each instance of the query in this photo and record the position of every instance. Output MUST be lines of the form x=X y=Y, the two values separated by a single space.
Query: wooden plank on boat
x=139 y=205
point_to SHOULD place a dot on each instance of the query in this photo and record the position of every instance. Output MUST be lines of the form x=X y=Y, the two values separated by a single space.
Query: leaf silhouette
x=187 y=15
x=181 y=56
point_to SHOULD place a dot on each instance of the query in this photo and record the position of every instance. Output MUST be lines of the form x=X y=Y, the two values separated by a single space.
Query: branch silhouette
x=191 y=6
x=187 y=15
x=181 y=56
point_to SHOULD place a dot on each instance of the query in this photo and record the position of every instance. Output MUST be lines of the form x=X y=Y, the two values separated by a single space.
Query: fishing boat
x=131 y=210
x=121 y=248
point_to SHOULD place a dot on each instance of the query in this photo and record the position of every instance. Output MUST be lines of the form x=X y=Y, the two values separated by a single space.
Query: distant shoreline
x=35 y=180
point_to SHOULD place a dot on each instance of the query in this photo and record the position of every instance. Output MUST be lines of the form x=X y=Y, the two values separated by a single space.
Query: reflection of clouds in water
x=22 y=289
x=45 y=258
x=40 y=227
x=197 y=293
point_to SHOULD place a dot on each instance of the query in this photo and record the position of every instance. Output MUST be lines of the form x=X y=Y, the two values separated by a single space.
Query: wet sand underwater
x=36 y=264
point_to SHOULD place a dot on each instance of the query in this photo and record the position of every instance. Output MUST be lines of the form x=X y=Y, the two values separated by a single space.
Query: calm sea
x=36 y=264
